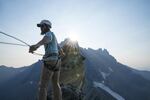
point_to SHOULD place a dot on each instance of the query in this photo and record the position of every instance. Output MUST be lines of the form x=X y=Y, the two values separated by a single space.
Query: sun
x=73 y=37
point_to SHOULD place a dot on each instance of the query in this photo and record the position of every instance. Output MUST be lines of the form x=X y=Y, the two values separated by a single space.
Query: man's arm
x=45 y=40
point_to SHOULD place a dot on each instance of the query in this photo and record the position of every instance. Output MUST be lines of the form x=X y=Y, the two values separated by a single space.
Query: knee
x=55 y=84
x=55 y=80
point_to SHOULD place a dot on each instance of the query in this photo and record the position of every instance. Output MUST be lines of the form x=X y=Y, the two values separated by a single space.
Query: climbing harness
x=26 y=44
x=50 y=58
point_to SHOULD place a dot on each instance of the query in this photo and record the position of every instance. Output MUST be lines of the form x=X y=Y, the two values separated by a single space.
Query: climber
x=51 y=62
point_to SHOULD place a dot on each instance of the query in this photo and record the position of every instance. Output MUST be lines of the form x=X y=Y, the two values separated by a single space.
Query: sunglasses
x=40 y=25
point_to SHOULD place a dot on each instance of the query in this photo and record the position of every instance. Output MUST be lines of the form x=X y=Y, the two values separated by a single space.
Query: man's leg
x=57 y=94
x=43 y=85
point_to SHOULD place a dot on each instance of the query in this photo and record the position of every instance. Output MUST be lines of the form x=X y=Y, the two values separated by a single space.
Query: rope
x=12 y=44
x=14 y=38
x=26 y=44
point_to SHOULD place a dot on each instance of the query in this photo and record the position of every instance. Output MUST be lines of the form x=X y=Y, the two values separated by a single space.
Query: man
x=51 y=61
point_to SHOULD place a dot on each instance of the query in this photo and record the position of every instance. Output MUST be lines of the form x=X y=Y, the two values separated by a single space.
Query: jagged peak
x=100 y=49
x=103 y=51
x=91 y=49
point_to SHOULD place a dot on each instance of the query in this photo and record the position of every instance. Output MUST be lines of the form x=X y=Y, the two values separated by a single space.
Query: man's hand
x=61 y=53
x=32 y=48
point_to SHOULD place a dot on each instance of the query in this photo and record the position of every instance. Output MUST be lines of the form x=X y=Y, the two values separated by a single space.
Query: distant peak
x=103 y=51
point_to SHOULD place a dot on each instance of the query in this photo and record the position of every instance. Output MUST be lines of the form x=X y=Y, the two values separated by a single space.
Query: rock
x=69 y=92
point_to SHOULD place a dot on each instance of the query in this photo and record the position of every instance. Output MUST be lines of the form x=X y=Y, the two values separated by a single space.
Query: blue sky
x=120 y=26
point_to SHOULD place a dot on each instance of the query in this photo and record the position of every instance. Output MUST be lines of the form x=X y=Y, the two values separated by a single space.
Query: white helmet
x=47 y=22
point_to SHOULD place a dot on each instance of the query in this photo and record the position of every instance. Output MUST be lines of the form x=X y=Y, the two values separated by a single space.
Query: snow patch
x=107 y=89
x=103 y=82
x=31 y=82
x=110 y=69
x=104 y=75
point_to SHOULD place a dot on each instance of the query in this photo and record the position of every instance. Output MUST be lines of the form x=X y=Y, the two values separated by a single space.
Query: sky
x=120 y=26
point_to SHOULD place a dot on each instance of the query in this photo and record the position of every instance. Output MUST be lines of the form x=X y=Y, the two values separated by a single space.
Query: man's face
x=44 y=29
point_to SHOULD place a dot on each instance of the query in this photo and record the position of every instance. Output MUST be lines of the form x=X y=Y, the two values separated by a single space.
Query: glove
x=32 y=48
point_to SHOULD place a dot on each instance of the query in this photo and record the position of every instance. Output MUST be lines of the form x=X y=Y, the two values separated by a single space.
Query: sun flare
x=73 y=37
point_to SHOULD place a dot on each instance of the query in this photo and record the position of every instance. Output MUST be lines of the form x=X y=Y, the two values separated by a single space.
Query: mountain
x=7 y=73
x=120 y=81
x=145 y=74
x=21 y=85
x=86 y=74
